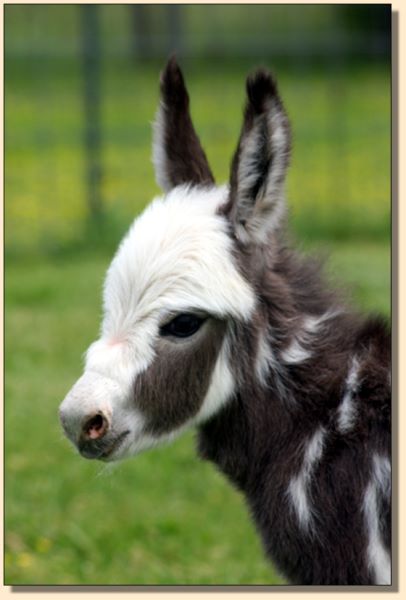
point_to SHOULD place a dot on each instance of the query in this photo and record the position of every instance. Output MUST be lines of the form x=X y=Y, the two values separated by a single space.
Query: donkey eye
x=183 y=325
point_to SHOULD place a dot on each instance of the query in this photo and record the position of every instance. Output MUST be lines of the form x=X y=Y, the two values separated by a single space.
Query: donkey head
x=174 y=287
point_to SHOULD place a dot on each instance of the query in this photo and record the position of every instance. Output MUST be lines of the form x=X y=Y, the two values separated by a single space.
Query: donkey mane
x=212 y=320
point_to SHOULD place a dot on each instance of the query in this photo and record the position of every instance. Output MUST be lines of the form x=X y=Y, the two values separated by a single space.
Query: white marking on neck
x=298 y=489
x=296 y=352
x=312 y=324
x=347 y=411
x=265 y=360
x=378 y=556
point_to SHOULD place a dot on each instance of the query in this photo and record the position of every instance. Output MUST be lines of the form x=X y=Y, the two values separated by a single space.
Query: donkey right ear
x=177 y=154
x=256 y=203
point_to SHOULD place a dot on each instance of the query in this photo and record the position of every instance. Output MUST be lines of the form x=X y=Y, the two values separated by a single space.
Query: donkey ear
x=177 y=154
x=256 y=205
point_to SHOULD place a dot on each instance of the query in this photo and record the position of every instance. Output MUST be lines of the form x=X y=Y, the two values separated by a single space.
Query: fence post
x=91 y=90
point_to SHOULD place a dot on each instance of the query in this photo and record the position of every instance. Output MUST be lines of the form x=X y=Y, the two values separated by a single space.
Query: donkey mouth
x=102 y=451
x=108 y=453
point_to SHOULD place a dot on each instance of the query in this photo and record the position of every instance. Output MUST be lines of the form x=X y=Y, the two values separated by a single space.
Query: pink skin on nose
x=94 y=433
x=97 y=428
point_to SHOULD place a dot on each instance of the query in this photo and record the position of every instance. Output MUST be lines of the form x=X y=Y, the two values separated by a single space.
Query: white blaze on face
x=176 y=257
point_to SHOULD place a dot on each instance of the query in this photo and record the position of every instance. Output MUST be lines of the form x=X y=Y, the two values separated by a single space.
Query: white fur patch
x=90 y=394
x=158 y=151
x=221 y=387
x=123 y=361
x=378 y=556
x=347 y=411
x=176 y=257
x=297 y=352
x=298 y=489
x=266 y=362
x=313 y=324
x=264 y=359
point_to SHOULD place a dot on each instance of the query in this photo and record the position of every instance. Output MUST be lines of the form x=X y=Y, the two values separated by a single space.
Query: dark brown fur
x=186 y=161
x=259 y=438
x=261 y=87
x=172 y=390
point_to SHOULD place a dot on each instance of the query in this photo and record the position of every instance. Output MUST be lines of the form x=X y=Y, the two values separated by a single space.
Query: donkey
x=212 y=321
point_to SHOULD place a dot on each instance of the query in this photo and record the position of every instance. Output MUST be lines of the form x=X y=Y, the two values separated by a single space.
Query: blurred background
x=81 y=90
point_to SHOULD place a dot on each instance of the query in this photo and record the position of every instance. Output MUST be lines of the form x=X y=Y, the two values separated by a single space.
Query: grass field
x=164 y=517
x=340 y=162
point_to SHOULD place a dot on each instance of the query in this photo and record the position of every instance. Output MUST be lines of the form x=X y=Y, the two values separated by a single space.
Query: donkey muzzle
x=86 y=415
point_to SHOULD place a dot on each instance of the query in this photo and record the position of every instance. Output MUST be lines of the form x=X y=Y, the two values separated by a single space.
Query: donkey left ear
x=177 y=154
x=256 y=204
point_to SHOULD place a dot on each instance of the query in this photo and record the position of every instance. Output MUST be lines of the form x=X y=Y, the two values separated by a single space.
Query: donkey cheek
x=173 y=390
x=170 y=402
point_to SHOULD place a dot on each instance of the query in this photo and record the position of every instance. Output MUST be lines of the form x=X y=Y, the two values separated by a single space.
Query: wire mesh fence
x=82 y=87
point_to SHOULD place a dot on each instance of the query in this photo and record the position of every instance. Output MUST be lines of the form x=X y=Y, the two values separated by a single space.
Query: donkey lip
x=114 y=446
x=101 y=451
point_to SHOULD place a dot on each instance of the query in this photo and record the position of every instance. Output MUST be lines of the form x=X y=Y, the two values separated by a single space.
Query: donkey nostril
x=95 y=427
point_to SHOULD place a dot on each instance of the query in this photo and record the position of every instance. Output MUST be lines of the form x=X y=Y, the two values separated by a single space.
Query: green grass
x=160 y=519
x=338 y=183
x=164 y=517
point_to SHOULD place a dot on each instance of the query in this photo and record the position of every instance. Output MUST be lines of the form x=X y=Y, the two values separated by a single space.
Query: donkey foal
x=212 y=321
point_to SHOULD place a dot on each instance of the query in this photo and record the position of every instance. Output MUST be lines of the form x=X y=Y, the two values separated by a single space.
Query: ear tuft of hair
x=261 y=88
x=173 y=88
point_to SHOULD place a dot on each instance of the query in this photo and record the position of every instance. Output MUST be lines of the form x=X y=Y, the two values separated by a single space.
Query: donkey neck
x=289 y=363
